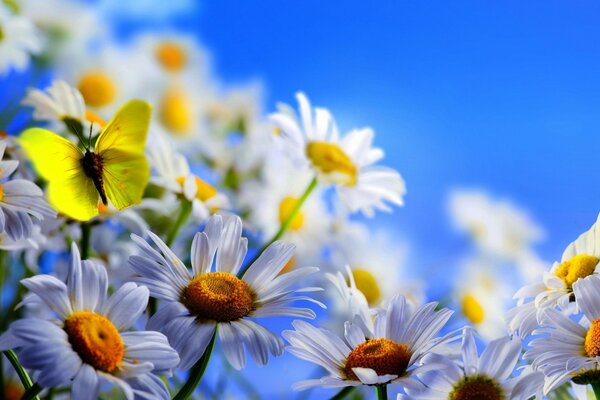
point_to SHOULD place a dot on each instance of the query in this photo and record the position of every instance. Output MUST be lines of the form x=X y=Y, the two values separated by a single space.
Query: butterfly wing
x=58 y=161
x=125 y=170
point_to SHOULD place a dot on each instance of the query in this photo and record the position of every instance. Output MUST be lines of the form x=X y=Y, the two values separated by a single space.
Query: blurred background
x=488 y=110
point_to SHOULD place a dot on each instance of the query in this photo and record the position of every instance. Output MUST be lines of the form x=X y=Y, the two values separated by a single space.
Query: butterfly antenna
x=76 y=127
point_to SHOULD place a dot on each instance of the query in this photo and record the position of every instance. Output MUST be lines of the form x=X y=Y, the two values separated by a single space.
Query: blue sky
x=497 y=95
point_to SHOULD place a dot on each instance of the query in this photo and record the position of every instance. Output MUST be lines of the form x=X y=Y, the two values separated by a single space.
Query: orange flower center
x=218 y=296
x=381 y=355
x=1 y=191
x=477 y=388
x=592 y=339
x=171 y=56
x=95 y=339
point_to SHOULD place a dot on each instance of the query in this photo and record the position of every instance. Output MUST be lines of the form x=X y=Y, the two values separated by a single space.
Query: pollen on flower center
x=95 y=339
x=331 y=160
x=171 y=56
x=367 y=284
x=218 y=296
x=97 y=89
x=472 y=309
x=579 y=266
x=592 y=339
x=477 y=388
x=285 y=209
x=204 y=190
x=175 y=112
x=382 y=355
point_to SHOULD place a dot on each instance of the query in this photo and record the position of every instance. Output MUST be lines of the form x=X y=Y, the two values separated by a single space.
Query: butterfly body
x=115 y=172
x=92 y=166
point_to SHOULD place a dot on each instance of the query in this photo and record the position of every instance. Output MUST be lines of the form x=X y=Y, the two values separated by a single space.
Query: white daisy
x=486 y=376
x=346 y=162
x=19 y=40
x=200 y=302
x=579 y=260
x=568 y=350
x=89 y=343
x=172 y=172
x=20 y=200
x=393 y=353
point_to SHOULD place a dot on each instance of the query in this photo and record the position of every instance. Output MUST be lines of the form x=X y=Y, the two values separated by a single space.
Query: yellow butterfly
x=116 y=170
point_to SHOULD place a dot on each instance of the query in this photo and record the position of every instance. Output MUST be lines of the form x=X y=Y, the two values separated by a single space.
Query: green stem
x=32 y=392
x=381 y=392
x=596 y=389
x=86 y=236
x=284 y=226
x=196 y=372
x=23 y=376
x=184 y=213
x=342 y=394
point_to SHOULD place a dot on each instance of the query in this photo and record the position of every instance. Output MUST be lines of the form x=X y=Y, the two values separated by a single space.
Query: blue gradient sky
x=497 y=95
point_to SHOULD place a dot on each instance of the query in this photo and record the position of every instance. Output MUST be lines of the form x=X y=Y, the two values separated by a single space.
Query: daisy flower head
x=20 y=201
x=580 y=259
x=200 y=303
x=89 y=339
x=313 y=140
x=489 y=375
x=569 y=350
x=19 y=40
x=402 y=338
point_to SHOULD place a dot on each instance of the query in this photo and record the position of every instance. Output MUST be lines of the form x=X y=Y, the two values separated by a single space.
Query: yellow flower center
x=1 y=189
x=171 y=56
x=175 y=112
x=285 y=210
x=367 y=284
x=382 y=355
x=218 y=296
x=472 y=309
x=579 y=266
x=331 y=160
x=97 y=89
x=204 y=190
x=95 y=339
x=13 y=391
x=592 y=339
x=477 y=387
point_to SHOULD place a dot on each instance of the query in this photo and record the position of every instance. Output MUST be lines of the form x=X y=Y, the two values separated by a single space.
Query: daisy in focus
x=201 y=303
x=19 y=40
x=486 y=376
x=89 y=340
x=312 y=139
x=580 y=259
x=401 y=338
x=568 y=350
x=20 y=201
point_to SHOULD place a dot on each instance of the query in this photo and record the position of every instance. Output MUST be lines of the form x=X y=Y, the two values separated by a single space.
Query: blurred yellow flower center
x=367 y=284
x=382 y=355
x=472 y=309
x=592 y=339
x=204 y=191
x=95 y=339
x=331 y=160
x=171 y=56
x=13 y=391
x=579 y=266
x=1 y=189
x=175 y=112
x=218 y=296
x=97 y=89
x=288 y=266
x=477 y=387
x=285 y=210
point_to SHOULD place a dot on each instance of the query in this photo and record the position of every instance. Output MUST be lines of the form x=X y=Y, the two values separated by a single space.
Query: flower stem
x=184 y=213
x=342 y=394
x=32 y=392
x=86 y=236
x=596 y=389
x=196 y=372
x=284 y=225
x=23 y=376
x=381 y=392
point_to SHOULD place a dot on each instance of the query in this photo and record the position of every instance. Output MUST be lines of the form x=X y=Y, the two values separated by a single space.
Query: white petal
x=85 y=384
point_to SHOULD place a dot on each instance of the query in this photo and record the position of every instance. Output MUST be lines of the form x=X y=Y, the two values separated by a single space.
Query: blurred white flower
x=312 y=139
x=19 y=40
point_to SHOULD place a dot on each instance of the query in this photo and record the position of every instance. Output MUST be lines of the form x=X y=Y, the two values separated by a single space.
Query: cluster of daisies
x=248 y=215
